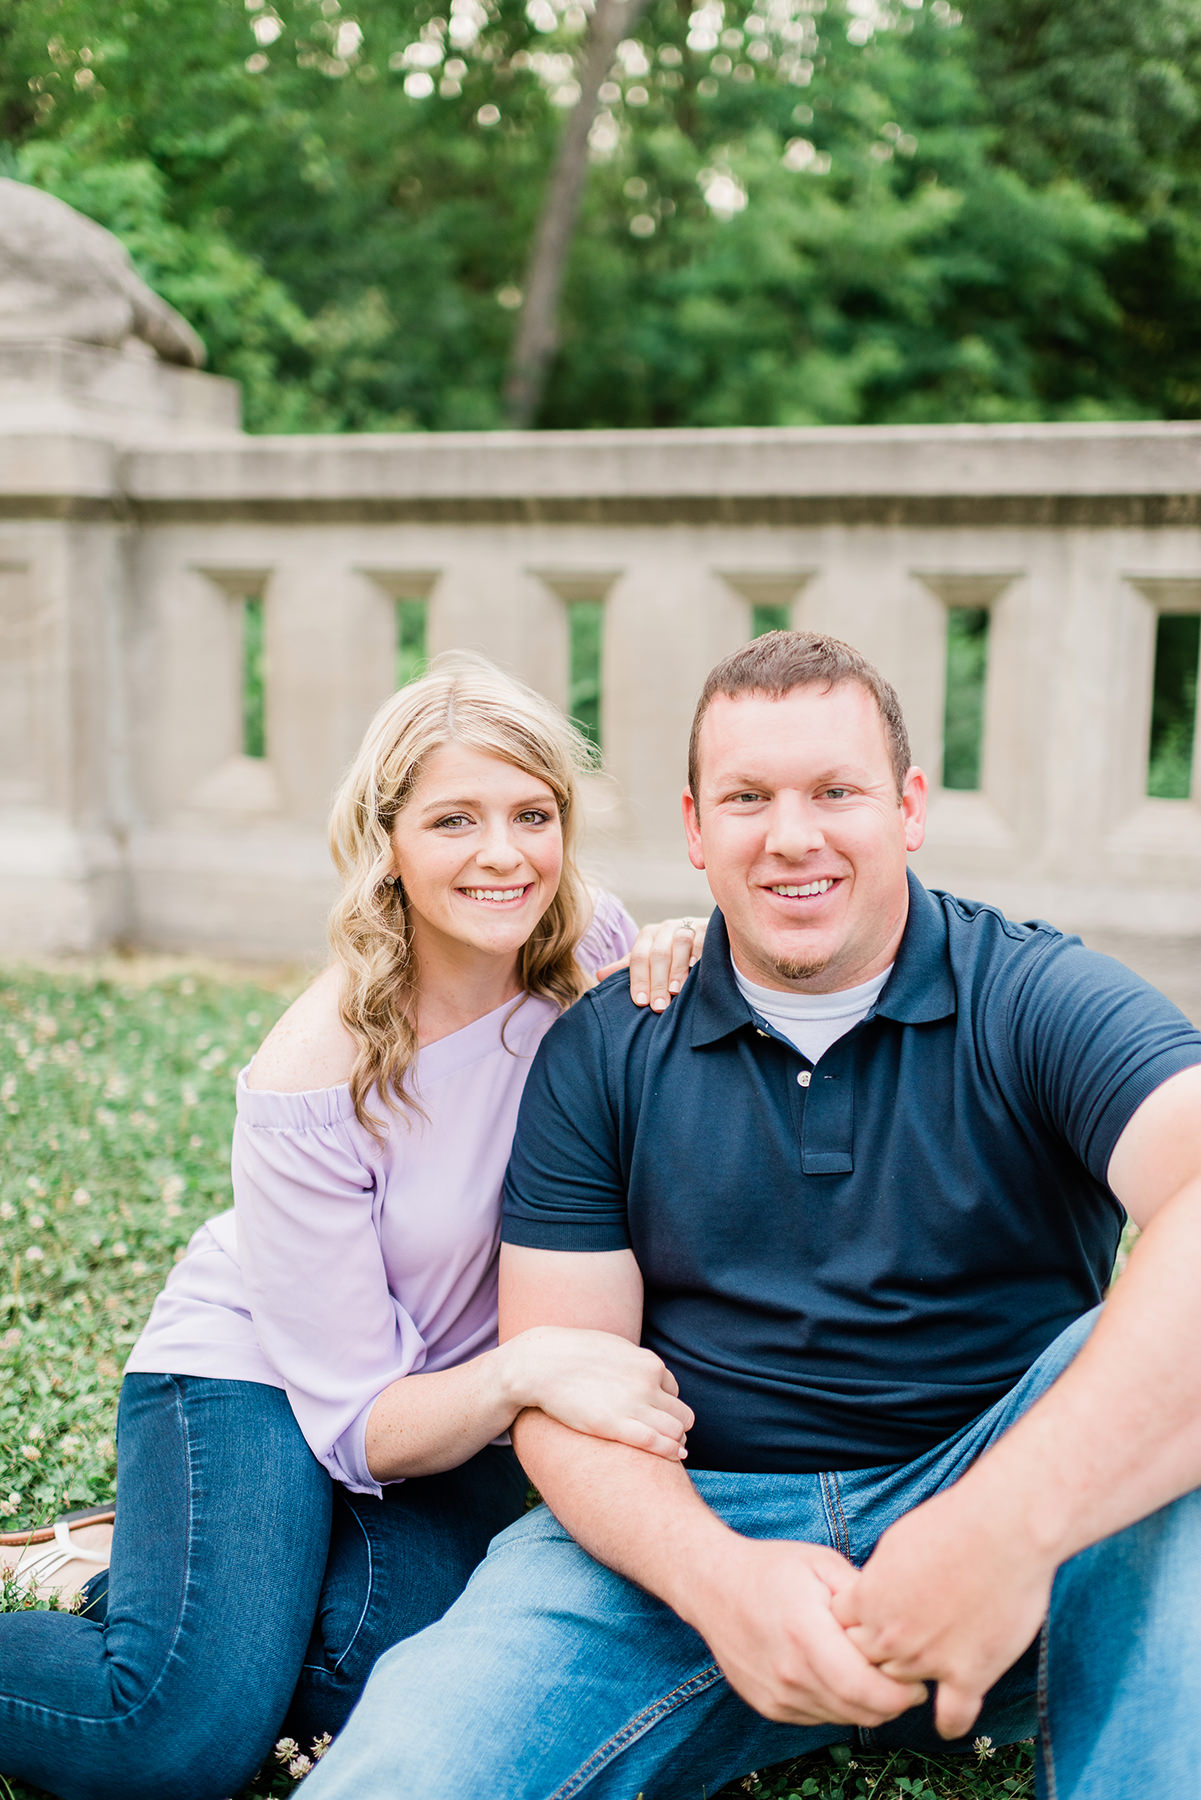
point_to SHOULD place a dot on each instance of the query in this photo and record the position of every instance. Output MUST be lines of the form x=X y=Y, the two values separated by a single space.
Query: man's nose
x=794 y=829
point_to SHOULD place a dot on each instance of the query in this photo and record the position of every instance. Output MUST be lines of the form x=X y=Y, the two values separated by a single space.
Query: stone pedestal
x=52 y=387
x=71 y=626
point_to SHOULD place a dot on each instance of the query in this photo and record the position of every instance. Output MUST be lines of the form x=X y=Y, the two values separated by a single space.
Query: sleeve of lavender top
x=609 y=935
x=304 y=1199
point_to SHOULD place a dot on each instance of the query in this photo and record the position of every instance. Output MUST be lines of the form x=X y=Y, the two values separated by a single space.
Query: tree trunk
x=537 y=335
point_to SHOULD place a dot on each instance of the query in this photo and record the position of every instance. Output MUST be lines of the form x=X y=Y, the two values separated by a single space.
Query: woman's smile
x=497 y=896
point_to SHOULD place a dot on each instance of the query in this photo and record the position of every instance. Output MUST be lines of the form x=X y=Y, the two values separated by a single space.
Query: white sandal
x=56 y=1559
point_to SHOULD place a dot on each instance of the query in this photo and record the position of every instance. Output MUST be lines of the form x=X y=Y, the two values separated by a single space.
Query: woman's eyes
x=533 y=815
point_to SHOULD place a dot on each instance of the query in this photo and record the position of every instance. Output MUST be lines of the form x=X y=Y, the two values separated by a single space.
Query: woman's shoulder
x=609 y=933
x=309 y=1047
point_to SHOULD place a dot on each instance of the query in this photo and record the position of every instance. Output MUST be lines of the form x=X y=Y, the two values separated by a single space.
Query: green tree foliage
x=797 y=212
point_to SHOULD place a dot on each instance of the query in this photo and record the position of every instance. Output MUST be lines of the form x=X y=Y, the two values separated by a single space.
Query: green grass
x=116 y=1102
x=841 y=1774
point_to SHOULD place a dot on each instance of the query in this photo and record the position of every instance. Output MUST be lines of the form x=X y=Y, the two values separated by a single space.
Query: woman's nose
x=498 y=851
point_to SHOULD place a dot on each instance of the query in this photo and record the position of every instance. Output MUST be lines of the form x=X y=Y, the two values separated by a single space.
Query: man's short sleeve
x=1091 y=1040
x=565 y=1188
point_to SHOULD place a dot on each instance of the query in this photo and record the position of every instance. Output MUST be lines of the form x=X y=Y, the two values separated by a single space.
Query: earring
x=392 y=881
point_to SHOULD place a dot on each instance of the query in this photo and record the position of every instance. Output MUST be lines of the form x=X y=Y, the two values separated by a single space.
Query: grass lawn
x=116 y=1102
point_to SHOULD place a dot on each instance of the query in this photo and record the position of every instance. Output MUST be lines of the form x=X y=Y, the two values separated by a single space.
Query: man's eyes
x=750 y=797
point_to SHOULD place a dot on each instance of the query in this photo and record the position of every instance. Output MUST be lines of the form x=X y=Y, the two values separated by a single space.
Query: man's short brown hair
x=779 y=661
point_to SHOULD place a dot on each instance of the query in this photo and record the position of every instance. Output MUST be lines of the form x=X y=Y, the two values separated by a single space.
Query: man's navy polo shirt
x=842 y=1271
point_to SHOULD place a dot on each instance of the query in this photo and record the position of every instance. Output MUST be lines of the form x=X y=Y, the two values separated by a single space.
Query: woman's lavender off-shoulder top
x=346 y=1263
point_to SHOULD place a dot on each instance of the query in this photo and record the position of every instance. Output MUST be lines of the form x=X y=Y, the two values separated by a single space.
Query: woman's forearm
x=425 y=1423
x=597 y=1382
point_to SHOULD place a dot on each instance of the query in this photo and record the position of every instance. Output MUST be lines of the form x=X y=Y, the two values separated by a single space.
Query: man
x=860 y=1187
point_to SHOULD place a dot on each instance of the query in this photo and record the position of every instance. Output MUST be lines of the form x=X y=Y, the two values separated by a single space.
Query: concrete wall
x=131 y=530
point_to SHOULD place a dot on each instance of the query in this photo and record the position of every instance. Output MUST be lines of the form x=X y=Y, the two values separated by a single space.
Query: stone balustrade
x=137 y=521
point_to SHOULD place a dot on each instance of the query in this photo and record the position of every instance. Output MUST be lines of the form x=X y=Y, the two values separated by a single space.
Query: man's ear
x=692 y=830
x=913 y=808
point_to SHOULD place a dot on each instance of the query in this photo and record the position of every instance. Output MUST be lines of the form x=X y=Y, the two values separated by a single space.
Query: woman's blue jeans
x=175 y=1684
x=554 y=1678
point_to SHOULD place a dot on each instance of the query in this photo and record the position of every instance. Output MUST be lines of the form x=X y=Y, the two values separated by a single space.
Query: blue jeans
x=553 y=1677
x=175 y=1684
x=395 y=1565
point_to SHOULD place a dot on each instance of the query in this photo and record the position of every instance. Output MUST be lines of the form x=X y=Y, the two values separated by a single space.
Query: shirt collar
x=919 y=989
x=719 y=1008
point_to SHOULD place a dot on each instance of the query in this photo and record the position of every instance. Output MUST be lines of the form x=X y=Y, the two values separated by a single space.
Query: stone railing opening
x=1172 y=747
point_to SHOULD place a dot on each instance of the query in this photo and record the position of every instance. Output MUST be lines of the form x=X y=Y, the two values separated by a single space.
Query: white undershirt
x=812 y=1021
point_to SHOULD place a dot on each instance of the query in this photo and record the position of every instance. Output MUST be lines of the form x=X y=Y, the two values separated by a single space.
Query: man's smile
x=792 y=890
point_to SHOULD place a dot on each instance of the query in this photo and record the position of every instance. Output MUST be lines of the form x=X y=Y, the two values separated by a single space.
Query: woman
x=341 y=1321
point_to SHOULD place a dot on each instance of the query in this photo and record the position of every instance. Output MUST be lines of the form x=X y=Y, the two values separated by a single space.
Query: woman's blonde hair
x=463 y=699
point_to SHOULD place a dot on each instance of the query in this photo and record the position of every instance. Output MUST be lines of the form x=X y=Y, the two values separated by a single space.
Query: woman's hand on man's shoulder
x=659 y=959
x=309 y=1047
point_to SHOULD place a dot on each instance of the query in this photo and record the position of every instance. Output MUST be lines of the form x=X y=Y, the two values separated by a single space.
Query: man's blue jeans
x=553 y=1677
x=175 y=1684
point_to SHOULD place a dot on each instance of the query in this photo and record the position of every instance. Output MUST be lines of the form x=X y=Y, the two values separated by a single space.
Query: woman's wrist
x=516 y=1372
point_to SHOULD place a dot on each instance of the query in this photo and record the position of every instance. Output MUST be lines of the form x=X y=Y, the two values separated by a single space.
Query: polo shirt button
x=804 y=1078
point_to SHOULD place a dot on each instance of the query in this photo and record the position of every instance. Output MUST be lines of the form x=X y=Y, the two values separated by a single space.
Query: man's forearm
x=1119 y=1434
x=639 y=1514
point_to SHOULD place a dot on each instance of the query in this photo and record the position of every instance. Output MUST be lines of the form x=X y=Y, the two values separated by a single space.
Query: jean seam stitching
x=187 y=1580
x=636 y=1728
x=835 y=1519
x=1044 y=1712
x=836 y=1487
x=188 y=1559
x=354 y=1636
